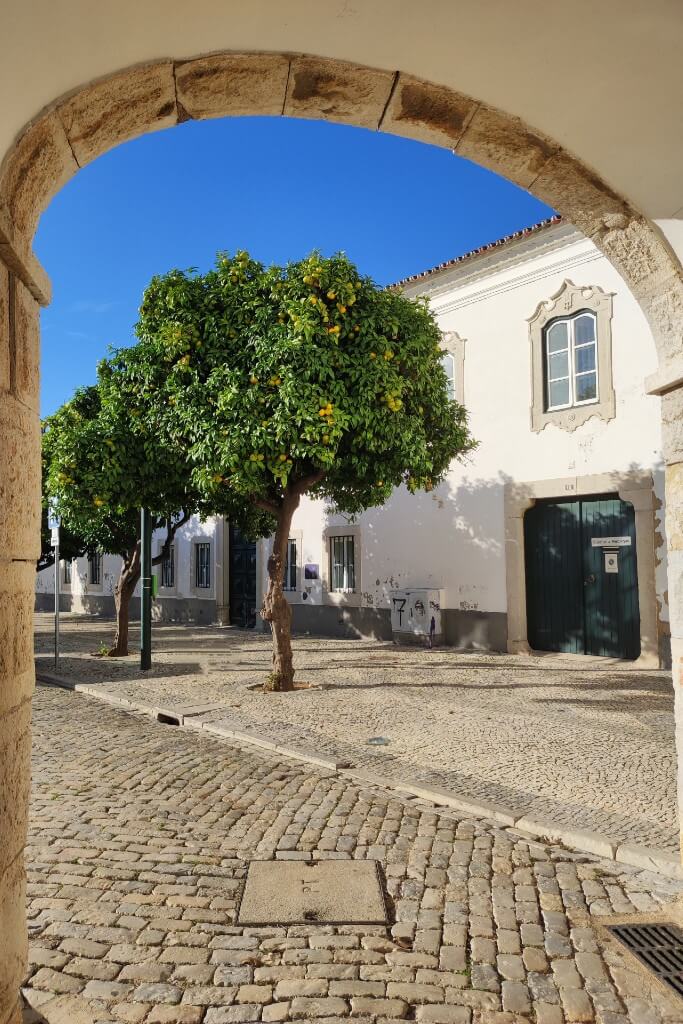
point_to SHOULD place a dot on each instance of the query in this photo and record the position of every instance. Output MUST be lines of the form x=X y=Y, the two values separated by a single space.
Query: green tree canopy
x=103 y=462
x=70 y=544
x=285 y=381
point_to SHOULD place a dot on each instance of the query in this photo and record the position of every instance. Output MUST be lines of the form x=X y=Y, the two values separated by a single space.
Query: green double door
x=242 y=580
x=581 y=577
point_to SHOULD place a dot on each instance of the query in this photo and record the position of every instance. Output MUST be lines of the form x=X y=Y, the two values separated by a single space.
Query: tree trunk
x=128 y=581
x=276 y=608
x=125 y=588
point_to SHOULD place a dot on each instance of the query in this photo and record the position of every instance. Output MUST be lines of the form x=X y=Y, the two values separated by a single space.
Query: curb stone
x=630 y=854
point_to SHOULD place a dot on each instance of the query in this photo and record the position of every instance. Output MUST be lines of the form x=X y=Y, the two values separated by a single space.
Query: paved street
x=573 y=741
x=140 y=838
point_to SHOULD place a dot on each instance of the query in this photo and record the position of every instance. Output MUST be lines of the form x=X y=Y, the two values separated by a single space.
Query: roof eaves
x=515 y=236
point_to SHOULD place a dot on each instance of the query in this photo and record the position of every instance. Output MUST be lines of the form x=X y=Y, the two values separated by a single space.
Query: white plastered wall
x=454 y=537
x=194 y=530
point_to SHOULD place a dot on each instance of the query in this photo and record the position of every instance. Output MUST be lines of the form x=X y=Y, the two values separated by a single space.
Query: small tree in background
x=104 y=462
x=70 y=544
x=303 y=380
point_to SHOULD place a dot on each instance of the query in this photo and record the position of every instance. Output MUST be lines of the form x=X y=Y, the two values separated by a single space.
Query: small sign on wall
x=611 y=561
x=610 y=542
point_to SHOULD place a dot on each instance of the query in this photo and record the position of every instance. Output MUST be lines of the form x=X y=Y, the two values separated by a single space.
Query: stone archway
x=80 y=126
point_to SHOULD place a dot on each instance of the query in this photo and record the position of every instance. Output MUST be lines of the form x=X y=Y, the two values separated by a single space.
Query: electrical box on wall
x=416 y=615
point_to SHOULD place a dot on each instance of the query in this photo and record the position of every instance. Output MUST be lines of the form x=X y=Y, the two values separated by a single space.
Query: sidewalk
x=588 y=749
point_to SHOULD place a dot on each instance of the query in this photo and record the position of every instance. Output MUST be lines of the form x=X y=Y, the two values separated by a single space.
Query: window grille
x=202 y=566
x=290 y=566
x=168 y=568
x=343 y=565
x=95 y=569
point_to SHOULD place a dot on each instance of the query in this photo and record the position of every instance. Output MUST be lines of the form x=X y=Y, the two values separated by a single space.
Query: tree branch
x=171 y=530
x=267 y=506
x=300 y=487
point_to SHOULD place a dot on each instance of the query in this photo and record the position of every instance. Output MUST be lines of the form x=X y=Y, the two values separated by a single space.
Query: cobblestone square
x=582 y=742
x=140 y=838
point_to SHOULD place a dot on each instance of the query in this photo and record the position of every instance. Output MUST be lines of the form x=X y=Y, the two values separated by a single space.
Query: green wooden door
x=242 y=580
x=582 y=590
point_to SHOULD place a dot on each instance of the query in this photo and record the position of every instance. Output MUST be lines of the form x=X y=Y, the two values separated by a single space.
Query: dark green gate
x=581 y=577
x=242 y=580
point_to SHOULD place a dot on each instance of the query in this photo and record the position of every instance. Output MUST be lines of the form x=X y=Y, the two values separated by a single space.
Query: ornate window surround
x=568 y=300
x=455 y=346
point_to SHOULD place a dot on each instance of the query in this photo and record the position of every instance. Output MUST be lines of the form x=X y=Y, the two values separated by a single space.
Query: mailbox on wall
x=416 y=615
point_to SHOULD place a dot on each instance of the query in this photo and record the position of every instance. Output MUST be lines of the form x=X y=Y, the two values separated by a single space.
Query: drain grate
x=658 y=946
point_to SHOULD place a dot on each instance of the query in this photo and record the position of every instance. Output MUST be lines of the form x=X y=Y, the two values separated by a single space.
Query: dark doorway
x=242 y=580
x=581 y=577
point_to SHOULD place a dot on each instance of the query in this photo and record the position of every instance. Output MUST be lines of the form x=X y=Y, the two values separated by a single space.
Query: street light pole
x=57 y=600
x=146 y=591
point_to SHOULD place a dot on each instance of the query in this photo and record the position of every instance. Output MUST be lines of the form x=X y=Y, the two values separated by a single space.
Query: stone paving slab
x=305 y=891
x=140 y=840
x=587 y=748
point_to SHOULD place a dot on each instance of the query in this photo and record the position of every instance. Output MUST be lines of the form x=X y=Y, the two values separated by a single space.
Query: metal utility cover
x=310 y=892
x=659 y=946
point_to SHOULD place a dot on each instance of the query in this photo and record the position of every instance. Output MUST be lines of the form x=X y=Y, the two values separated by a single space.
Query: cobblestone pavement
x=140 y=838
x=573 y=741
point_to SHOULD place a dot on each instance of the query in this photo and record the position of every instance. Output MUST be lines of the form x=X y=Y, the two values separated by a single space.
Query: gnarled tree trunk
x=276 y=608
x=125 y=588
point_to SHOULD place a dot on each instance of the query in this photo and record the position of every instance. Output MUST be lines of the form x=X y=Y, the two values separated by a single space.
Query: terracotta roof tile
x=532 y=229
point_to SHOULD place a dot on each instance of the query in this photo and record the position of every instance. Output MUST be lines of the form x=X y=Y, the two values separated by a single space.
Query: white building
x=550 y=536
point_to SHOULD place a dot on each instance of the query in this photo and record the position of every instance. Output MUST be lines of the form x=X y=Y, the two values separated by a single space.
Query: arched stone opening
x=77 y=128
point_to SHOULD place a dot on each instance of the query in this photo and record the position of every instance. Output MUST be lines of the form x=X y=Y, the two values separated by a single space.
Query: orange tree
x=307 y=379
x=103 y=460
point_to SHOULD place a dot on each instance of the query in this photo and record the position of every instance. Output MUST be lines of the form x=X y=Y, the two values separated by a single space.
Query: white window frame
x=570 y=322
x=348 y=541
x=342 y=598
x=197 y=586
x=454 y=346
x=95 y=559
x=68 y=571
x=170 y=560
x=448 y=360
x=289 y=566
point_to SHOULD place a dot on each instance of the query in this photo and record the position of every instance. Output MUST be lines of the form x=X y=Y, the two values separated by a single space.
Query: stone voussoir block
x=232 y=85
x=118 y=108
x=34 y=170
x=426 y=112
x=334 y=90
x=639 y=253
x=505 y=145
x=577 y=193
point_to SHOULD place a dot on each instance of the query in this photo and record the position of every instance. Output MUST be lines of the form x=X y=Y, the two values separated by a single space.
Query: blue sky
x=274 y=186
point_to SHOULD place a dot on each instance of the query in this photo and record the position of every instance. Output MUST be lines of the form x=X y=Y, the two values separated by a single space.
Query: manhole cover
x=658 y=946
x=322 y=892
